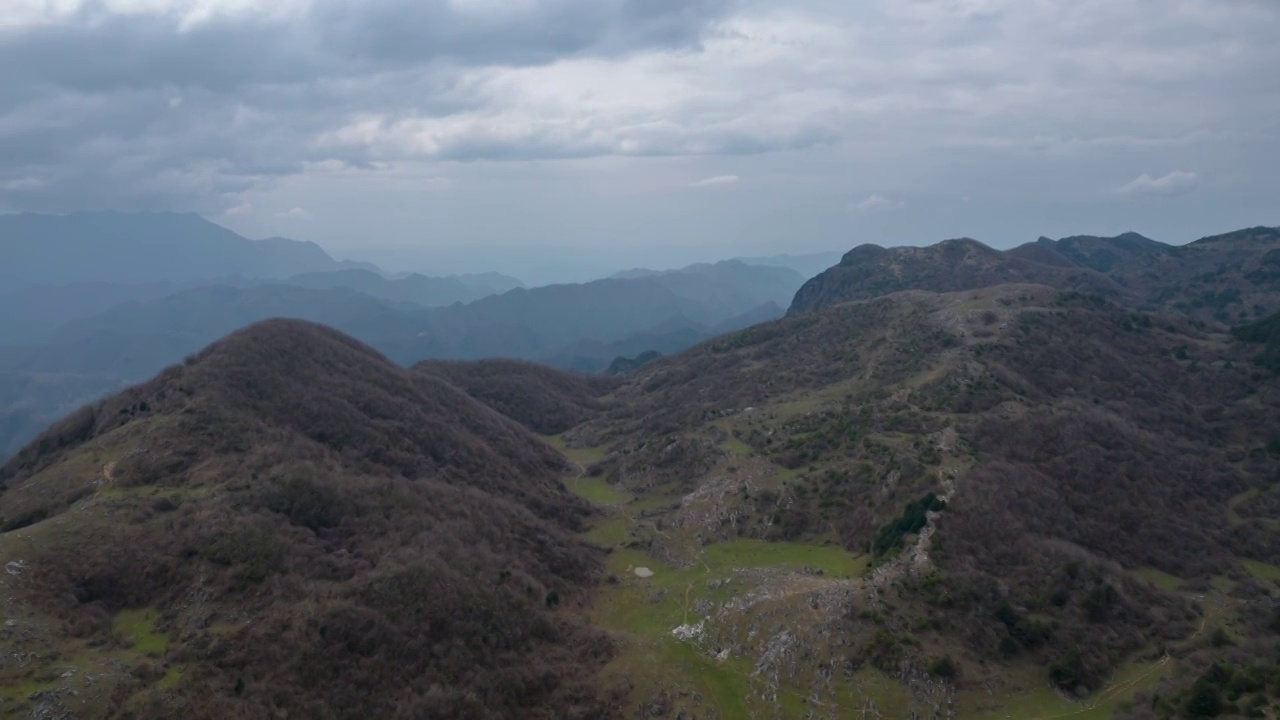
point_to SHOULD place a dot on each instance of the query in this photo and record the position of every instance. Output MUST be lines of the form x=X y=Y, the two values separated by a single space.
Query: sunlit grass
x=138 y=629
x=596 y=490
x=1159 y=578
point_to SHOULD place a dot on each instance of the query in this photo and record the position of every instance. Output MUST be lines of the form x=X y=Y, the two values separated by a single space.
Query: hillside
x=141 y=248
x=544 y=400
x=910 y=504
x=289 y=524
x=1224 y=279
x=729 y=282
x=869 y=271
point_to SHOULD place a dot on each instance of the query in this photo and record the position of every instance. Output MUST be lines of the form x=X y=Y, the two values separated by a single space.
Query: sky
x=478 y=133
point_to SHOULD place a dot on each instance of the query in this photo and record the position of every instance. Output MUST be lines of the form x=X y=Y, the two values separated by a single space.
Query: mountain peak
x=141 y=248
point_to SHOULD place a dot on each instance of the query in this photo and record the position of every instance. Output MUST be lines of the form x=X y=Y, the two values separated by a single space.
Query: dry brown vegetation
x=546 y=401
x=323 y=534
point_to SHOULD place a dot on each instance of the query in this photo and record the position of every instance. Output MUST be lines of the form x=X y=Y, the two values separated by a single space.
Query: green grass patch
x=21 y=691
x=1038 y=701
x=890 y=697
x=138 y=630
x=1261 y=570
x=610 y=533
x=1159 y=578
x=736 y=446
x=597 y=490
x=582 y=456
x=833 y=561
x=171 y=677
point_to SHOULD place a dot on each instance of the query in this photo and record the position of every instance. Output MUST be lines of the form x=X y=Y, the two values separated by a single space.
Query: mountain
x=727 y=282
x=497 y=282
x=141 y=249
x=807 y=265
x=411 y=288
x=581 y=327
x=1224 y=279
x=868 y=271
x=32 y=312
x=289 y=524
x=544 y=400
x=671 y=336
x=940 y=505
x=627 y=365
x=1016 y=499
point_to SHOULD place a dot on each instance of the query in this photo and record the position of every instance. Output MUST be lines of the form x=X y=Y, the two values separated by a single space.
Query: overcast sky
x=681 y=129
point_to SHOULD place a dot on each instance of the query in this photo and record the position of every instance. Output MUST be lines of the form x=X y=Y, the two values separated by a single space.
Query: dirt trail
x=1111 y=691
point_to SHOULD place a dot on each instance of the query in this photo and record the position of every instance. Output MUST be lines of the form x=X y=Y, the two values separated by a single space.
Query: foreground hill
x=142 y=248
x=1002 y=502
x=288 y=524
x=1224 y=279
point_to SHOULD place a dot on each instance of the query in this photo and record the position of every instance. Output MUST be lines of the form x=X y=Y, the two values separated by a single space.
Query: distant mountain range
x=131 y=303
x=806 y=265
x=144 y=248
x=1225 y=278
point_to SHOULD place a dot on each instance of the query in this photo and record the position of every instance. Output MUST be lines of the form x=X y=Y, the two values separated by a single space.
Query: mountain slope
x=544 y=400
x=729 y=282
x=1224 y=279
x=141 y=248
x=868 y=271
x=808 y=265
x=915 y=501
x=288 y=523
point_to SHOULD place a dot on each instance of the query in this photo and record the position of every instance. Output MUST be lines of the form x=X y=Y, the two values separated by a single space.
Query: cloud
x=22 y=183
x=238 y=210
x=1177 y=182
x=716 y=180
x=296 y=213
x=173 y=104
x=875 y=202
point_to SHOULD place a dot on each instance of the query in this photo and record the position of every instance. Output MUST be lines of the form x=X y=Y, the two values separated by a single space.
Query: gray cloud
x=235 y=105
x=716 y=180
x=1174 y=183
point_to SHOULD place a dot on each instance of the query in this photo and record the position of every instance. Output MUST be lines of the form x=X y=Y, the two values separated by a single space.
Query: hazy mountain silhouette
x=413 y=288
x=583 y=327
x=142 y=248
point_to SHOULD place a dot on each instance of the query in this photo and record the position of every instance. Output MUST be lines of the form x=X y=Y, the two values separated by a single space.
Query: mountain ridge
x=311 y=494
x=142 y=248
